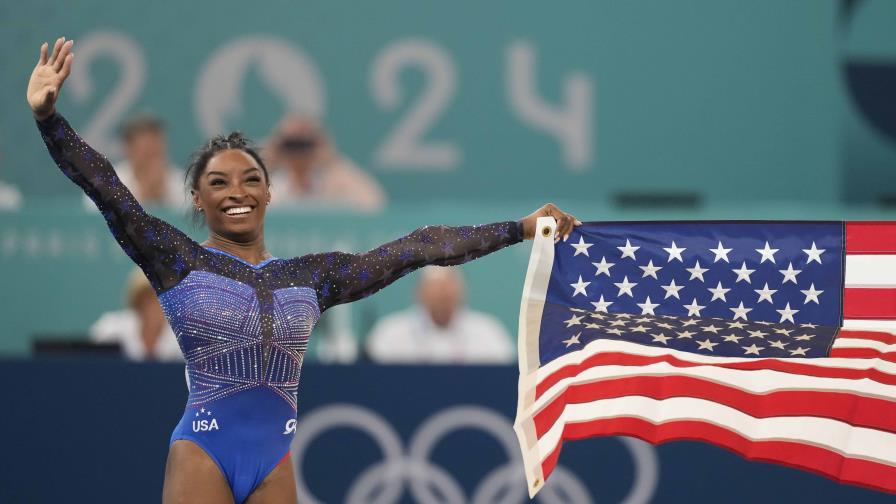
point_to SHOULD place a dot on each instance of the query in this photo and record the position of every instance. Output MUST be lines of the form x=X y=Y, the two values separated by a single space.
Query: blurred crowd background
x=460 y=114
x=380 y=117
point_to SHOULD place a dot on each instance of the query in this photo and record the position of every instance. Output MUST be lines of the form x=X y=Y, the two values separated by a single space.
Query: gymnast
x=242 y=316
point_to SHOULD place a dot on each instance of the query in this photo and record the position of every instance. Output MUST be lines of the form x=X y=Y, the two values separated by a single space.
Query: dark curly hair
x=201 y=156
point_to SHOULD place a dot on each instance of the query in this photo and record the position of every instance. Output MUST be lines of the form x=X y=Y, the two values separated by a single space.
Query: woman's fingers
x=562 y=226
x=567 y=226
x=565 y=222
x=553 y=211
x=56 y=48
x=42 y=60
x=66 y=68
x=62 y=56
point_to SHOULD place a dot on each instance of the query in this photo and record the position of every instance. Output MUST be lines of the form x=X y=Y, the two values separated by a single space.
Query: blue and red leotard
x=243 y=328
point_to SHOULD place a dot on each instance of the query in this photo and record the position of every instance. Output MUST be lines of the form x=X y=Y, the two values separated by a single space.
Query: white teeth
x=238 y=210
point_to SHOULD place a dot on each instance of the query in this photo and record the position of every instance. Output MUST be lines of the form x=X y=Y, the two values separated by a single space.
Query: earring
x=199 y=208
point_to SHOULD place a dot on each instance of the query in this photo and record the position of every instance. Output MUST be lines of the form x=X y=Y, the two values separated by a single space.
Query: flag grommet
x=546 y=231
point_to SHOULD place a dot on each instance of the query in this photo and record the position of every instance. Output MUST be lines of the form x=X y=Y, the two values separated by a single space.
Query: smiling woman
x=242 y=317
x=230 y=188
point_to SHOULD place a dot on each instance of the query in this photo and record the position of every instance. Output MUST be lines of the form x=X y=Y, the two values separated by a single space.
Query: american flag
x=776 y=340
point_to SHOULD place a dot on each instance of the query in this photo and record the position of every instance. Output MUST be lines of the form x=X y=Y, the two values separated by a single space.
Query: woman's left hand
x=565 y=222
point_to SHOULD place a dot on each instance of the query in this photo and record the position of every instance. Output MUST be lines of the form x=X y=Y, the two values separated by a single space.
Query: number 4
x=570 y=125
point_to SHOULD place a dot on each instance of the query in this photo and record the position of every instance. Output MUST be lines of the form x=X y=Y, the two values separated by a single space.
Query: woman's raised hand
x=48 y=76
x=565 y=221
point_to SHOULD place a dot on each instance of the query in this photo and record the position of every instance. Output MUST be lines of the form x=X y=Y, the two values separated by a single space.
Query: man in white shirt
x=141 y=329
x=10 y=197
x=439 y=329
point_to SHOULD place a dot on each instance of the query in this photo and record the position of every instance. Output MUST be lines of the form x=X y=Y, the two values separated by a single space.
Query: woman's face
x=233 y=194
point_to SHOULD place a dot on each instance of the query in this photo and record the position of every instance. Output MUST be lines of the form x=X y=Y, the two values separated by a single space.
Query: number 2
x=405 y=147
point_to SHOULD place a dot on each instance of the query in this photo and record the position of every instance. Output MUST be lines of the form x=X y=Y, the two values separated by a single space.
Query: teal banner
x=495 y=100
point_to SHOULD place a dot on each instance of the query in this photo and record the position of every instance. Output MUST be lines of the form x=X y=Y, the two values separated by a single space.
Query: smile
x=236 y=211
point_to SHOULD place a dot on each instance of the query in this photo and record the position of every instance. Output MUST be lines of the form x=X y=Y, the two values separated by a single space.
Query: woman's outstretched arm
x=163 y=252
x=341 y=277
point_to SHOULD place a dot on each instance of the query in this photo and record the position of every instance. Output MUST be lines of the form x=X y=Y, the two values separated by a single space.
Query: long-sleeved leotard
x=244 y=328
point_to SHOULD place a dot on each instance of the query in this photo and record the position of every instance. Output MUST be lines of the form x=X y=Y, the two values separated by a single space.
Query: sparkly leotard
x=244 y=328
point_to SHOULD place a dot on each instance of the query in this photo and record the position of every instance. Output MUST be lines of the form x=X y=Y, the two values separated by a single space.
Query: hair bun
x=237 y=137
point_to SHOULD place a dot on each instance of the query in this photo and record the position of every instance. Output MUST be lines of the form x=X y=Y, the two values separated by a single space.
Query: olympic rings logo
x=384 y=482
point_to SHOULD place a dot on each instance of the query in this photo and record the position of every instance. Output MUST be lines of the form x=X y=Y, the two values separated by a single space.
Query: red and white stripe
x=869 y=297
x=869 y=293
x=835 y=416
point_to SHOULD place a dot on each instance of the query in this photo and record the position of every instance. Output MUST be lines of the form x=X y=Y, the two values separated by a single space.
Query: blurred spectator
x=141 y=328
x=310 y=172
x=146 y=169
x=439 y=329
x=10 y=197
